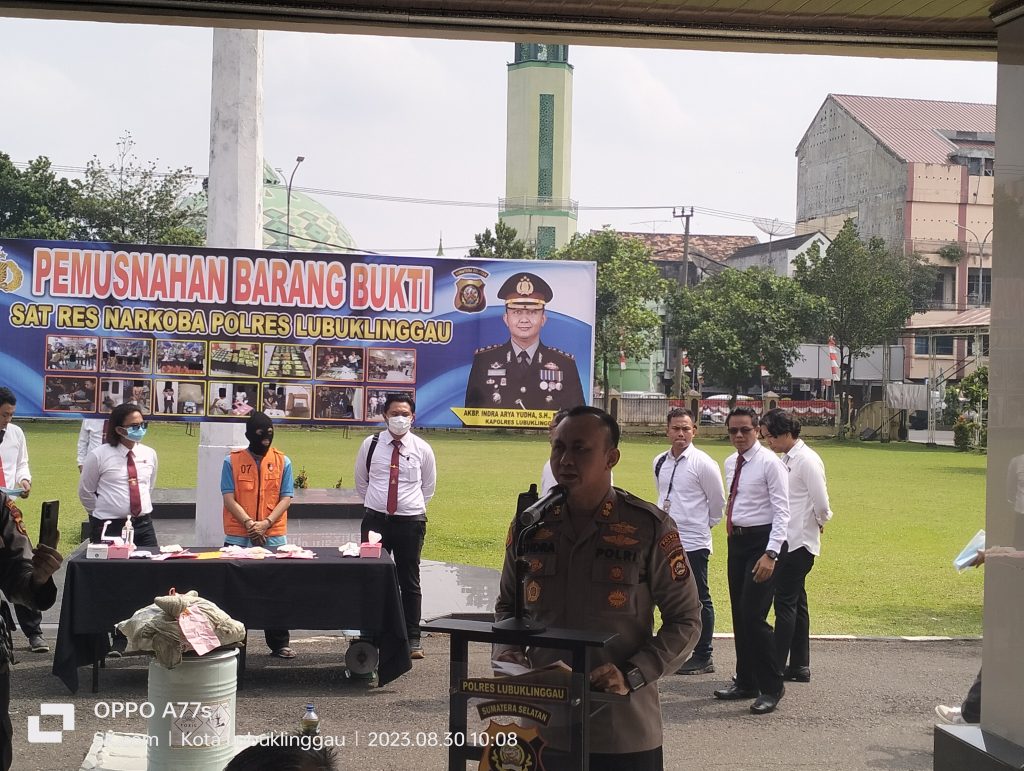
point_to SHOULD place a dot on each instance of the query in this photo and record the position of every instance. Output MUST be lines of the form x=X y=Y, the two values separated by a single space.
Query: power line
x=421 y=201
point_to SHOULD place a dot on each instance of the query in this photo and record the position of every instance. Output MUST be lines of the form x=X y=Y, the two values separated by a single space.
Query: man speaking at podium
x=602 y=561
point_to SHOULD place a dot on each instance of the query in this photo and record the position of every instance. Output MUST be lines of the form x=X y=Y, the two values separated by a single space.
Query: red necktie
x=3 y=479
x=134 y=496
x=393 y=478
x=733 y=489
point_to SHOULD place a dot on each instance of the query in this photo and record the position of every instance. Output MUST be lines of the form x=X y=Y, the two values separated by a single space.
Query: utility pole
x=684 y=213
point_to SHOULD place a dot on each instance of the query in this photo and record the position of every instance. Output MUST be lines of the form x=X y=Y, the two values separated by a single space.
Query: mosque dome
x=309 y=219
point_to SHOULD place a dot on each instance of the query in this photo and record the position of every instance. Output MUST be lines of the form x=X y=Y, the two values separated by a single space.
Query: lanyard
x=672 y=479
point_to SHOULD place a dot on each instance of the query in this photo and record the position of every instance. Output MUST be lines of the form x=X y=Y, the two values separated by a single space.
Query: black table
x=329 y=592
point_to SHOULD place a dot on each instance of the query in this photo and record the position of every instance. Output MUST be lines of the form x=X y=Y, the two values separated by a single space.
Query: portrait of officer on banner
x=523 y=373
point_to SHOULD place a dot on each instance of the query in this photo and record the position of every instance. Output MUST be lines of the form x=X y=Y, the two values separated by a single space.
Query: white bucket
x=193 y=722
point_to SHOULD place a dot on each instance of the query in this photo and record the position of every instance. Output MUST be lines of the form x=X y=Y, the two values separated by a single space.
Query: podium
x=580 y=645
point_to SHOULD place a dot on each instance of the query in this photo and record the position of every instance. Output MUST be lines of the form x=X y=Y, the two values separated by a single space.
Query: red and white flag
x=833 y=357
x=622 y=359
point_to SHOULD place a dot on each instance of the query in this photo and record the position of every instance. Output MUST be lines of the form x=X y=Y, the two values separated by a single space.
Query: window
x=943 y=346
x=984 y=346
x=974 y=297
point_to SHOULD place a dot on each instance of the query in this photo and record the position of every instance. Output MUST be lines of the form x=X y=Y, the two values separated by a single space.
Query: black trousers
x=970 y=710
x=403 y=537
x=29 y=620
x=145 y=533
x=792 y=620
x=6 y=730
x=756 y=664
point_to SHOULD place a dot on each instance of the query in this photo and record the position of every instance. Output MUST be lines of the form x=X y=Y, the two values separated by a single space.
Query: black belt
x=136 y=518
x=751 y=530
x=395 y=517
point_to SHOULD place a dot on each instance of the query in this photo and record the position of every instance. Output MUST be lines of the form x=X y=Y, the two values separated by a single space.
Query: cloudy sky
x=426 y=119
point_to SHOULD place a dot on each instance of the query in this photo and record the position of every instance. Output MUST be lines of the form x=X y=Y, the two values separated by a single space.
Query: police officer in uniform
x=26 y=577
x=523 y=373
x=602 y=562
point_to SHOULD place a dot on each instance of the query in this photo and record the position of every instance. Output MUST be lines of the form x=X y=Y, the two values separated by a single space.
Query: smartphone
x=48 y=533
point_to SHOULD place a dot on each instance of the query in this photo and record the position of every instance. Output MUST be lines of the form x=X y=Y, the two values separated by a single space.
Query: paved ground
x=868 y=707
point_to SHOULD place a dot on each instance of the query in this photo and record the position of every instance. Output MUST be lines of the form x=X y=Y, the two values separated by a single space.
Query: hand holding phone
x=48 y=533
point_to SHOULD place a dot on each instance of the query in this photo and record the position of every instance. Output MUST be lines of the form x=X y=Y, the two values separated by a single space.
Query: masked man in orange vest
x=258 y=487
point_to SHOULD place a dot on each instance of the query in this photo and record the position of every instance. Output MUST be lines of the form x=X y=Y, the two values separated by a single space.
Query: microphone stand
x=518 y=622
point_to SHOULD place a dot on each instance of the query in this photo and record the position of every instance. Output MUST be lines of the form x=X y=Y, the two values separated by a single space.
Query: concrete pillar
x=999 y=743
x=234 y=220
x=693 y=404
x=770 y=400
x=1004 y=519
x=235 y=215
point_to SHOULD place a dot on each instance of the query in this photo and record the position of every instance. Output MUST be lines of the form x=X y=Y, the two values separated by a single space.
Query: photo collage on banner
x=307 y=338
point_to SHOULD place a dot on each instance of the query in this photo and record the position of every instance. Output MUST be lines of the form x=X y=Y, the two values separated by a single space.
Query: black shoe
x=734 y=692
x=766 y=703
x=797 y=674
x=697 y=666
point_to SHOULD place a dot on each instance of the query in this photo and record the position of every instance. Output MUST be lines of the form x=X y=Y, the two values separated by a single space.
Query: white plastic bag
x=965 y=559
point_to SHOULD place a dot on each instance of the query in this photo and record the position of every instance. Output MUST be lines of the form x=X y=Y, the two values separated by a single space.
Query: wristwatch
x=634 y=677
x=772 y=554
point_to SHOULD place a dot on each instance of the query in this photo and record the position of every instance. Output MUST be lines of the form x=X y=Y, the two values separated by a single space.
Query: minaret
x=539 y=147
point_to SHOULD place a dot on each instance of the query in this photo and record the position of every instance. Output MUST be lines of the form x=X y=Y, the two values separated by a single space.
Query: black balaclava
x=257 y=428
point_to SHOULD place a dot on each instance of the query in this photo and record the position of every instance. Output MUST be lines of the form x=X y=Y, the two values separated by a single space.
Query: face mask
x=399 y=424
x=135 y=434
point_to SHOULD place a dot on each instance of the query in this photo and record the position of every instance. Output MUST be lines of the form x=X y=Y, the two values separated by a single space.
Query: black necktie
x=524 y=359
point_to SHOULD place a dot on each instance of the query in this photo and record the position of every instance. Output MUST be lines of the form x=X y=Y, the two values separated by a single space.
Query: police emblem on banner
x=512 y=748
x=11 y=275
x=470 y=296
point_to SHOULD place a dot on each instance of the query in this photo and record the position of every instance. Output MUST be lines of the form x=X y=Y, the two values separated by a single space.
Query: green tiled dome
x=309 y=219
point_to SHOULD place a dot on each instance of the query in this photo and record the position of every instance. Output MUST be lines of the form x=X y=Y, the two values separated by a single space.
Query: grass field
x=902 y=512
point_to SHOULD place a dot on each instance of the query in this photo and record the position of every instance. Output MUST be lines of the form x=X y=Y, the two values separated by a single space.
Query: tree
x=734 y=323
x=130 y=202
x=869 y=292
x=503 y=244
x=628 y=288
x=35 y=203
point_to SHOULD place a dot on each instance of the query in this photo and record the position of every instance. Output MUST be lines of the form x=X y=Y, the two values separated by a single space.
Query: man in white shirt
x=90 y=436
x=757 y=519
x=689 y=487
x=15 y=475
x=809 y=511
x=395 y=476
x=547 y=477
x=118 y=478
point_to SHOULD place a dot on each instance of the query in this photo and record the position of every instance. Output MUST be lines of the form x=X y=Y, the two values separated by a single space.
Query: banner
x=193 y=333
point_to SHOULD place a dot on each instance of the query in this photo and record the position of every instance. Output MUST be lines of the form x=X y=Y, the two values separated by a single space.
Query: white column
x=234 y=220
x=1004 y=521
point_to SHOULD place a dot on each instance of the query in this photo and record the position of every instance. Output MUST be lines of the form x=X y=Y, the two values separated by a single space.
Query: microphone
x=533 y=514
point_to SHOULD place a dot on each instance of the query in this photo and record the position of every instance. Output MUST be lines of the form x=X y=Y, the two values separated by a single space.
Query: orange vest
x=257 y=490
